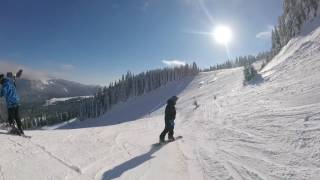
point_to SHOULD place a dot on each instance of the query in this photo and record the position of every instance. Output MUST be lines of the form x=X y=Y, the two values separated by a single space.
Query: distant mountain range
x=32 y=91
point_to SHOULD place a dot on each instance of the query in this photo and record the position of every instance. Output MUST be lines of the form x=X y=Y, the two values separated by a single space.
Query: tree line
x=239 y=61
x=131 y=85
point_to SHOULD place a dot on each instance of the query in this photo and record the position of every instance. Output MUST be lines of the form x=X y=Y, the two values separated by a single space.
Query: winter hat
x=174 y=98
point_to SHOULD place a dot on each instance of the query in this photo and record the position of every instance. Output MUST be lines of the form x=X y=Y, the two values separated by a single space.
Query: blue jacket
x=9 y=91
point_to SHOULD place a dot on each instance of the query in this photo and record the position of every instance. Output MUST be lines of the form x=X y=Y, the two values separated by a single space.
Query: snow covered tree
x=249 y=72
x=295 y=14
x=276 y=43
x=240 y=61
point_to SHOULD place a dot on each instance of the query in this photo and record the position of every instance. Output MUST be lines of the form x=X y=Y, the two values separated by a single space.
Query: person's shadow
x=132 y=163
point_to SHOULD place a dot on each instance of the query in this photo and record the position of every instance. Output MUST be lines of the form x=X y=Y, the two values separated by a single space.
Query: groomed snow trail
x=269 y=129
x=266 y=130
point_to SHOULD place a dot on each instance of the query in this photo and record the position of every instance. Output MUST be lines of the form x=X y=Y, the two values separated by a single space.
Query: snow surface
x=269 y=129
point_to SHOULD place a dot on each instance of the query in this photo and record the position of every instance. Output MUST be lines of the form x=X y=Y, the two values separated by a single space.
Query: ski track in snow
x=244 y=151
x=72 y=167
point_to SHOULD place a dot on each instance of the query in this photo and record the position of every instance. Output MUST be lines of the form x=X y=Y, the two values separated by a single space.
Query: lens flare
x=222 y=34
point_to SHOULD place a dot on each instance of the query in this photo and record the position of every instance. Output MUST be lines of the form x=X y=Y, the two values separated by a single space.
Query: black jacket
x=170 y=113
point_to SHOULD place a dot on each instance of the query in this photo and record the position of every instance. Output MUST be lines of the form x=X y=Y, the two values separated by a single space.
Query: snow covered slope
x=269 y=129
x=54 y=101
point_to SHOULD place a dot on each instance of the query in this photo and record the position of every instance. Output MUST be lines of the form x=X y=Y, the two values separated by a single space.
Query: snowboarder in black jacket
x=170 y=116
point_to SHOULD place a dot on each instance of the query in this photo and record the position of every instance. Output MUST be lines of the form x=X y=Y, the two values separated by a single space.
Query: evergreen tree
x=295 y=14
x=131 y=85
x=249 y=72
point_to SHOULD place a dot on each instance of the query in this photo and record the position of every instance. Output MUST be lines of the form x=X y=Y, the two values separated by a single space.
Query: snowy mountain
x=40 y=91
x=35 y=94
x=268 y=129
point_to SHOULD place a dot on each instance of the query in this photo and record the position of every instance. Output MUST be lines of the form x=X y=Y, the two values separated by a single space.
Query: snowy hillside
x=40 y=91
x=267 y=130
x=54 y=101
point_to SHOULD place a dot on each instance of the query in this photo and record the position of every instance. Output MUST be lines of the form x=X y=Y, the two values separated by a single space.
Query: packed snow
x=268 y=129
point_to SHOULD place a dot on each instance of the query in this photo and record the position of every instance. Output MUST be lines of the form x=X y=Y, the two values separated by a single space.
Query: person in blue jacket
x=170 y=116
x=9 y=91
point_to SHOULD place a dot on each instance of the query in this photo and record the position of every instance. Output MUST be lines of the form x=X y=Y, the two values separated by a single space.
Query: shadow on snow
x=117 y=171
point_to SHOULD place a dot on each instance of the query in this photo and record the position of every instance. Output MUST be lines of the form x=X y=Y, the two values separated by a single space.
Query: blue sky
x=94 y=42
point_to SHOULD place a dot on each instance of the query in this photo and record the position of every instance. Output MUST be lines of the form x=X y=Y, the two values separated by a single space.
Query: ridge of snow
x=309 y=42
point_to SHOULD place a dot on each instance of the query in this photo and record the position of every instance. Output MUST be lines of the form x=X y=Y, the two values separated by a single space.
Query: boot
x=161 y=140
x=21 y=132
x=171 y=139
x=15 y=131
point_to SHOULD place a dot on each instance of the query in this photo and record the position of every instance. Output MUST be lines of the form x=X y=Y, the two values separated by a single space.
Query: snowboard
x=167 y=141
x=14 y=77
x=20 y=135
x=25 y=136
x=19 y=73
x=16 y=132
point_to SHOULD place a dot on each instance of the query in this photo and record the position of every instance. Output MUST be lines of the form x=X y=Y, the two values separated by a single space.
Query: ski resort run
x=268 y=129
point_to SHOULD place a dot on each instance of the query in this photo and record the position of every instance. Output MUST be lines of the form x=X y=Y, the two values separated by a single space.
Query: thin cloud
x=265 y=35
x=146 y=4
x=28 y=73
x=67 y=67
x=173 y=62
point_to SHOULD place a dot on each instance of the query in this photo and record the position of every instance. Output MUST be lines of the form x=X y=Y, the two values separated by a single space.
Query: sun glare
x=222 y=34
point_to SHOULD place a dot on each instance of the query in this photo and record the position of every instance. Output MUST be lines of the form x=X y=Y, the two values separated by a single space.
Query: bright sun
x=222 y=34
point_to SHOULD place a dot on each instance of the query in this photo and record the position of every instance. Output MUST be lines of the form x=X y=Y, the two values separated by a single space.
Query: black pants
x=13 y=117
x=166 y=130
